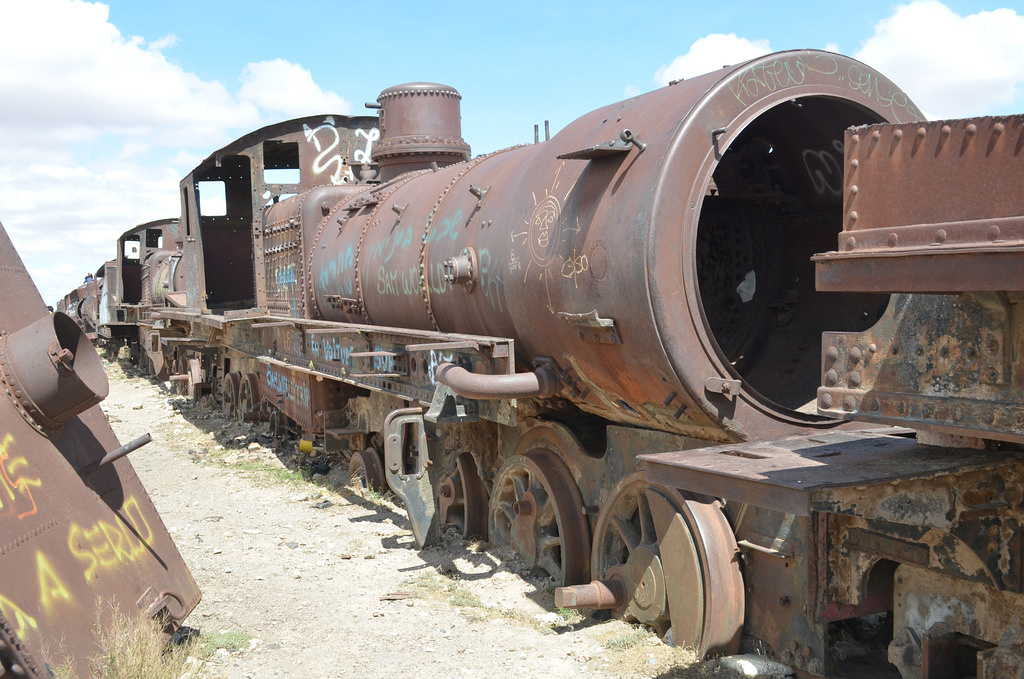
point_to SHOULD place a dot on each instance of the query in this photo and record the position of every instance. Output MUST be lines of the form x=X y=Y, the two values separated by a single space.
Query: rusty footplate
x=78 y=532
x=828 y=472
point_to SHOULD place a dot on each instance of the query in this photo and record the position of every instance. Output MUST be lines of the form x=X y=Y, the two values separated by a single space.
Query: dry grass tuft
x=136 y=646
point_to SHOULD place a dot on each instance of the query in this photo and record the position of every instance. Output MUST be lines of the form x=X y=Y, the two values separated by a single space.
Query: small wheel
x=675 y=558
x=248 y=398
x=229 y=394
x=537 y=508
x=196 y=379
x=463 y=499
x=180 y=377
x=366 y=473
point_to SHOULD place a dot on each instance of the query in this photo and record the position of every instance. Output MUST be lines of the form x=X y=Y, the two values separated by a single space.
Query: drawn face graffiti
x=544 y=229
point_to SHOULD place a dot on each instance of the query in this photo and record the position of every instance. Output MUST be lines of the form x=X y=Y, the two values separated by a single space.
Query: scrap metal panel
x=76 y=536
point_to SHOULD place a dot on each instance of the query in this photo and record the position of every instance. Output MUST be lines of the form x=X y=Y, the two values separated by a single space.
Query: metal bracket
x=346 y=305
x=62 y=358
x=447 y=407
x=592 y=327
x=480 y=194
x=782 y=549
x=624 y=144
x=414 y=487
x=718 y=385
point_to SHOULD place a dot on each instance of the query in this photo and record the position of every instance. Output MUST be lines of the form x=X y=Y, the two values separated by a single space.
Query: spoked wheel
x=180 y=376
x=537 y=508
x=229 y=388
x=248 y=398
x=197 y=383
x=463 y=499
x=366 y=473
x=667 y=561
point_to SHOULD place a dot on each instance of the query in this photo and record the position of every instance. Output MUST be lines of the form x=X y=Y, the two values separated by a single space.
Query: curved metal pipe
x=539 y=383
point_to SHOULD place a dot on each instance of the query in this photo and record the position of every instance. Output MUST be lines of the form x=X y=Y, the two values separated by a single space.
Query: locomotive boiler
x=605 y=349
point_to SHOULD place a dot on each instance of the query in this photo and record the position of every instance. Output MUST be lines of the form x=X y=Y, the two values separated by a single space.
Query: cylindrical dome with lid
x=420 y=124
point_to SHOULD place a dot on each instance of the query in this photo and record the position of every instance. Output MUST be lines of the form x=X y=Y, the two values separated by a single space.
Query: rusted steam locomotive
x=606 y=348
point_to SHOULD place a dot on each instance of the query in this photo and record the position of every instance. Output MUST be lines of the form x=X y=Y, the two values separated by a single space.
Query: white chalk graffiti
x=326 y=159
x=363 y=156
x=436 y=359
x=825 y=169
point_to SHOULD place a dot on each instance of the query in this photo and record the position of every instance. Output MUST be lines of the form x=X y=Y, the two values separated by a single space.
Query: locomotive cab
x=231 y=239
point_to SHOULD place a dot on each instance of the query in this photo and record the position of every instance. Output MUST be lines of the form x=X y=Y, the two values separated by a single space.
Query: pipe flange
x=462 y=269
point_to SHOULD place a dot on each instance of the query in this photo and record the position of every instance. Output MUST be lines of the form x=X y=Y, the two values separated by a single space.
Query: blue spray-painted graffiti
x=384 y=364
x=334 y=277
x=447 y=228
x=284 y=276
x=284 y=385
x=330 y=349
x=492 y=285
x=396 y=241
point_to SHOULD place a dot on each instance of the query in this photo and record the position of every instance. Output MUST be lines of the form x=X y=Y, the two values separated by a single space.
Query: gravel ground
x=330 y=584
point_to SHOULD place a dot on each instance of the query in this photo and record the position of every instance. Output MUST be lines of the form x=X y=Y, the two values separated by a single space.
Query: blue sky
x=104 y=107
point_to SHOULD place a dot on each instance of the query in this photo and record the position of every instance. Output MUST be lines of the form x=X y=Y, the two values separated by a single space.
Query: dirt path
x=303 y=569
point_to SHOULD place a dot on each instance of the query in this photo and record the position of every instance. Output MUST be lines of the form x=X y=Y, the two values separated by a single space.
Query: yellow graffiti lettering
x=133 y=515
x=116 y=539
x=103 y=545
x=22 y=620
x=50 y=586
x=75 y=537
x=23 y=486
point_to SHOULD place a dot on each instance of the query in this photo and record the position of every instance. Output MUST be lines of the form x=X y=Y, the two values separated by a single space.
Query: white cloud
x=951 y=65
x=710 y=53
x=280 y=86
x=169 y=40
x=97 y=128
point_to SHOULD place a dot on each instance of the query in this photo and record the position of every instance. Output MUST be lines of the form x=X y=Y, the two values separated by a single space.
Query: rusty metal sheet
x=931 y=207
x=943 y=363
x=300 y=393
x=931 y=607
x=69 y=541
x=799 y=475
x=783 y=565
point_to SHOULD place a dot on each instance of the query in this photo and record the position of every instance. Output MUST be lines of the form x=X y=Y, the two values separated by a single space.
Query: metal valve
x=461 y=269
